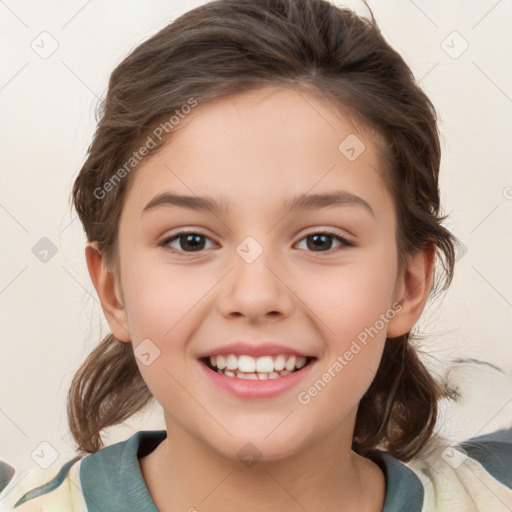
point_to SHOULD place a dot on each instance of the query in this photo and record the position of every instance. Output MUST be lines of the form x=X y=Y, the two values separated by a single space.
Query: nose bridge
x=255 y=287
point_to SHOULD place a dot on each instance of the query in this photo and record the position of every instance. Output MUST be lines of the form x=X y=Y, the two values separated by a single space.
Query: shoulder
x=494 y=452
x=38 y=490
x=475 y=475
x=6 y=474
x=110 y=477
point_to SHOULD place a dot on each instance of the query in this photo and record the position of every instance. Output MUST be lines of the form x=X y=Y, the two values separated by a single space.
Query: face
x=253 y=279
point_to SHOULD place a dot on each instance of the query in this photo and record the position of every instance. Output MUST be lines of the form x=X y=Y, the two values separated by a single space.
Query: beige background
x=50 y=316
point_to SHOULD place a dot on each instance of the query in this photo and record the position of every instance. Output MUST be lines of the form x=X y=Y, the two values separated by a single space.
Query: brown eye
x=322 y=241
x=187 y=242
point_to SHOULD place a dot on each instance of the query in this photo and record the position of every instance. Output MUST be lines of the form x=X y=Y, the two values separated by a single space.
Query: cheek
x=158 y=297
x=353 y=308
x=354 y=335
x=163 y=304
x=352 y=298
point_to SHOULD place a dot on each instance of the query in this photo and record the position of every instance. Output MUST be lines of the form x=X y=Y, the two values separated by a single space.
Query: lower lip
x=249 y=388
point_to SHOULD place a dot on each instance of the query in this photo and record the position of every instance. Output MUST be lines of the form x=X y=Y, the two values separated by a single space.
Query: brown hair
x=228 y=47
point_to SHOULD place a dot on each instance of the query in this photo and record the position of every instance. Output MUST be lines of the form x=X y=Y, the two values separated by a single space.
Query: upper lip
x=260 y=349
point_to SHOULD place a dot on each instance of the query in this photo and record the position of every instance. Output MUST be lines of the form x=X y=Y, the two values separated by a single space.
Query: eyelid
x=344 y=242
x=342 y=239
x=168 y=239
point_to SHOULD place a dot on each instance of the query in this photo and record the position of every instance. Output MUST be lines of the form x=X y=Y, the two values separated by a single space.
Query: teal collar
x=111 y=478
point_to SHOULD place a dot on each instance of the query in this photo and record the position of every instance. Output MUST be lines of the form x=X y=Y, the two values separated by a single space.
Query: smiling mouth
x=249 y=368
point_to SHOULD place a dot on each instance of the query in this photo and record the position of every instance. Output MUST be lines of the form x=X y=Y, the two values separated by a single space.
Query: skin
x=256 y=150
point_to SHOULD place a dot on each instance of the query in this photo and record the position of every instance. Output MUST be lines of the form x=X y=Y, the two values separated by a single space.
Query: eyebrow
x=300 y=202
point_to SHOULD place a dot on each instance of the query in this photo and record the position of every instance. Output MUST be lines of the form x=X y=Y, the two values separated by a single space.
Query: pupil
x=316 y=238
x=191 y=238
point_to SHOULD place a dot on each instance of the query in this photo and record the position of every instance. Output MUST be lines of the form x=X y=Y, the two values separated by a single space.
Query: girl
x=262 y=212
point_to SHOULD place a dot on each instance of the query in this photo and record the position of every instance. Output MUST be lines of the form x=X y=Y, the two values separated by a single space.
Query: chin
x=258 y=448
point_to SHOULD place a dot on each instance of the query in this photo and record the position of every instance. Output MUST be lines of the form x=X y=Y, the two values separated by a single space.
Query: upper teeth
x=261 y=364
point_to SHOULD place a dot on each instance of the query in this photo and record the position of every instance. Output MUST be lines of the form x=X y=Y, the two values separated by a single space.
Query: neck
x=183 y=473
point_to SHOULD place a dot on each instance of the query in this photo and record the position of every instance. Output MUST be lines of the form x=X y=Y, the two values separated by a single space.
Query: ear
x=107 y=287
x=412 y=291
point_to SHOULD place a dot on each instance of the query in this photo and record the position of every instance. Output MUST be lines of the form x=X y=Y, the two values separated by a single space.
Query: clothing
x=110 y=480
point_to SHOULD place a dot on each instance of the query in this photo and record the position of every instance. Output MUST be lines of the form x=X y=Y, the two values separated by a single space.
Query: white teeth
x=290 y=364
x=246 y=364
x=301 y=361
x=248 y=376
x=279 y=363
x=219 y=362
x=267 y=367
x=264 y=364
x=231 y=362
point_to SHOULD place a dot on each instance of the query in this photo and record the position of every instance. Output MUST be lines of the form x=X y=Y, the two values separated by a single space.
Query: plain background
x=50 y=314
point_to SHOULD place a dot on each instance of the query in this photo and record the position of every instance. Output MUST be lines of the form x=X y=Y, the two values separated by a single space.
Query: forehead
x=262 y=144
x=273 y=117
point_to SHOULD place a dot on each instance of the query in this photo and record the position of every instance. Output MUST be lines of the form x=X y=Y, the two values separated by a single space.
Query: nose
x=256 y=289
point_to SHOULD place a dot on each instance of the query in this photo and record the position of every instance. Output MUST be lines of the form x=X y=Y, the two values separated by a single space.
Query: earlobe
x=412 y=291
x=106 y=286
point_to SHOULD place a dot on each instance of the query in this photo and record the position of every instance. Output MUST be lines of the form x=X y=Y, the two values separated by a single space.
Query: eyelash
x=165 y=243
